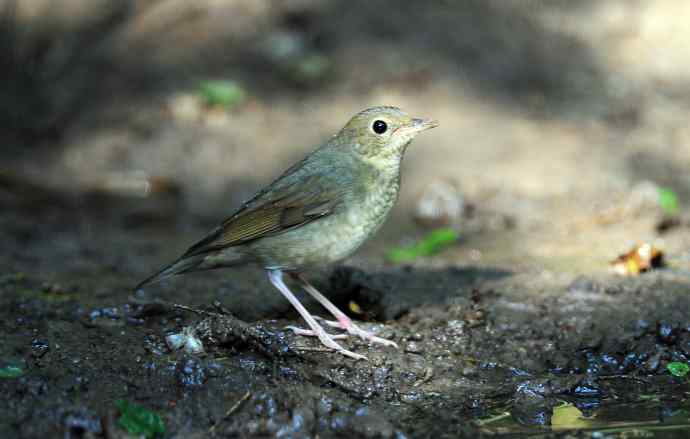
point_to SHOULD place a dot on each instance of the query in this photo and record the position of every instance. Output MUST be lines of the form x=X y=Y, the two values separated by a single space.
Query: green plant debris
x=434 y=242
x=668 y=200
x=678 y=369
x=221 y=93
x=11 y=372
x=138 y=420
x=311 y=68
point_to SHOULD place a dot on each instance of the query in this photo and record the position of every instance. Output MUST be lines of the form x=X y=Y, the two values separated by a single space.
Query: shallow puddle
x=648 y=418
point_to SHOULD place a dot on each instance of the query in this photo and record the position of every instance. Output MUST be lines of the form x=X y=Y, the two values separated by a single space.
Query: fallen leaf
x=641 y=258
x=678 y=369
x=11 y=372
x=138 y=420
x=567 y=417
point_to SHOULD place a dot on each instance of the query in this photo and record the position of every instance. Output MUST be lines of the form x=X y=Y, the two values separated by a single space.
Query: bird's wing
x=274 y=211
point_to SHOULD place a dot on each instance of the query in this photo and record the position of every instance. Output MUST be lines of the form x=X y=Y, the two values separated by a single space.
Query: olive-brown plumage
x=317 y=212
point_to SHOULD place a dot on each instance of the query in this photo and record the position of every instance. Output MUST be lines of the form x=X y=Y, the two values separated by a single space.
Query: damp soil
x=484 y=348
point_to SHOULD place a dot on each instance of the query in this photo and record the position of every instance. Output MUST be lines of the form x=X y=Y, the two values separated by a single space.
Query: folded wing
x=272 y=212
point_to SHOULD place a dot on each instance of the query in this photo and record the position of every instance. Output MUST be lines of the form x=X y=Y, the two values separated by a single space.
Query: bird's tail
x=197 y=262
x=182 y=265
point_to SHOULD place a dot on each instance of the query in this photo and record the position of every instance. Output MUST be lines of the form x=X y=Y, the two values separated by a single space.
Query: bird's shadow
x=380 y=295
x=390 y=293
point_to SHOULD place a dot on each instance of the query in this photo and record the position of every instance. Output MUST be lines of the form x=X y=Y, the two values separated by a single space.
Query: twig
x=231 y=410
x=482 y=422
x=622 y=376
x=194 y=310
x=307 y=349
x=219 y=306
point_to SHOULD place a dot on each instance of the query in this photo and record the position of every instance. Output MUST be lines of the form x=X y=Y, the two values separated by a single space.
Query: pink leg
x=343 y=321
x=309 y=333
x=276 y=278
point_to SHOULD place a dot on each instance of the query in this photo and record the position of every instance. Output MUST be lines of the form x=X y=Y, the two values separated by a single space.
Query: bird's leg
x=276 y=278
x=343 y=321
x=310 y=333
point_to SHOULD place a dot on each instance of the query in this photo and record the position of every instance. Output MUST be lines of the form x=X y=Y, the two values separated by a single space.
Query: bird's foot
x=369 y=336
x=343 y=321
x=327 y=340
x=276 y=278
x=310 y=333
x=354 y=330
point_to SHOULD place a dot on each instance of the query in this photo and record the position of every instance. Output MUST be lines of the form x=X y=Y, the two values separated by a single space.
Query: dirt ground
x=560 y=124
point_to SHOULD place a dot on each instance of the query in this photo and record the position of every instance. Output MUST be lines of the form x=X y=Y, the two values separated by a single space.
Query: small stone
x=413 y=348
x=666 y=333
x=39 y=348
x=324 y=406
x=191 y=373
x=185 y=107
x=186 y=340
x=415 y=337
x=441 y=204
x=175 y=341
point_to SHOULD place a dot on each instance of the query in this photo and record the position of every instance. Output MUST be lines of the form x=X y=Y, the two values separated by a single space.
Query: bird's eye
x=379 y=127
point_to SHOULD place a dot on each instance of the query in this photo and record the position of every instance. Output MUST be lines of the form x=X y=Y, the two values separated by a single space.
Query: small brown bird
x=318 y=212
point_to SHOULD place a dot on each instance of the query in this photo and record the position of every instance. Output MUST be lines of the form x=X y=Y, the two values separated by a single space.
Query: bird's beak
x=423 y=124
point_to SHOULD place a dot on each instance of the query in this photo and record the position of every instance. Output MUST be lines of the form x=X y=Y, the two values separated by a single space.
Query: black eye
x=379 y=127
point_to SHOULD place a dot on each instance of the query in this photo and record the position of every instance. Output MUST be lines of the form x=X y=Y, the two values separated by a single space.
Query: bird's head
x=381 y=134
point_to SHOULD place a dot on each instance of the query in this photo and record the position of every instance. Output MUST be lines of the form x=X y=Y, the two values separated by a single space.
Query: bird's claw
x=328 y=341
x=354 y=330
x=310 y=333
x=368 y=336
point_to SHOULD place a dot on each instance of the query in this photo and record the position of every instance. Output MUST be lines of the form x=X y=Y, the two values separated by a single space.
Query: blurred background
x=129 y=127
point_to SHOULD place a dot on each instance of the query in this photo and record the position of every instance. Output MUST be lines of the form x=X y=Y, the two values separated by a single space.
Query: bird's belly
x=325 y=240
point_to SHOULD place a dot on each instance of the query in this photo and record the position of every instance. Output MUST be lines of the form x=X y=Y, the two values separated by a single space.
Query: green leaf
x=678 y=369
x=221 y=93
x=138 y=420
x=434 y=242
x=11 y=372
x=668 y=200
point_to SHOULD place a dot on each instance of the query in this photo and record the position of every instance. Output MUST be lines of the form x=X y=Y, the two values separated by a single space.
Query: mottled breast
x=338 y=235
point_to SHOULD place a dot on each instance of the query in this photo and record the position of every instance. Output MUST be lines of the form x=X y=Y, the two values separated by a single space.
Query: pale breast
x=334 y=237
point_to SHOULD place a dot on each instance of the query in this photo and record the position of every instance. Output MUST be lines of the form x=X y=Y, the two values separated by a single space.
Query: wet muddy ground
x=484 y=349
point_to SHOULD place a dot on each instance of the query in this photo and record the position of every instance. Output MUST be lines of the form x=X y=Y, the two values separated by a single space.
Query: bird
x=317 y=213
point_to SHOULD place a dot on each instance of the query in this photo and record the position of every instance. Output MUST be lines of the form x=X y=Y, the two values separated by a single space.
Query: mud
x=475 y=342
